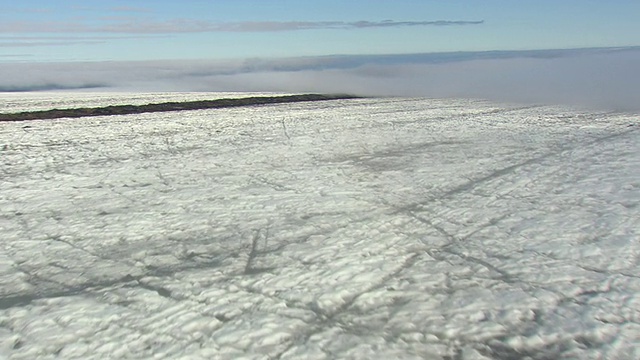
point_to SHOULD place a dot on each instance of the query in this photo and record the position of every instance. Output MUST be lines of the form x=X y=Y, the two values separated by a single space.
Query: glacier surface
x=402 y=228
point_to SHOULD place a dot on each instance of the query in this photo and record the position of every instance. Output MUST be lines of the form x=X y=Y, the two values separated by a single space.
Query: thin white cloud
x=29 y=10
x=48 y=43
x=131 y=9
x=199 y=26
x=126 y=9
x=310 y=25
x=74 y=37
x=35 y=41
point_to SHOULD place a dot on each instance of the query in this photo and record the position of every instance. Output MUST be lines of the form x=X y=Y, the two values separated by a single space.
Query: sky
x=117 y=30
x=584 y=52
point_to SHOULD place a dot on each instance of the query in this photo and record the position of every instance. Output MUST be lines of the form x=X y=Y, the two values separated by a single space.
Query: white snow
x=369 y=228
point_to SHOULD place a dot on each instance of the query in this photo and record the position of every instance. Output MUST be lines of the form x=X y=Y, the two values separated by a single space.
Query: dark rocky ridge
x=167 y=106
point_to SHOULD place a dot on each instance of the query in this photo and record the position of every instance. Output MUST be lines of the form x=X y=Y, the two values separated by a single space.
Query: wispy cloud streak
x=265 y=26
x=198 y=26
x=130 y=9
x=6 y=44
x=36 y=41
x=29 y=10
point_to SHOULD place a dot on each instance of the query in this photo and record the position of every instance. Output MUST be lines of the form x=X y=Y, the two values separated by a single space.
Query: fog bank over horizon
x=596 y=78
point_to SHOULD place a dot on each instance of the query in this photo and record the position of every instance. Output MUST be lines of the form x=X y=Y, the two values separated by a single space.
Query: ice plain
x=404 y=228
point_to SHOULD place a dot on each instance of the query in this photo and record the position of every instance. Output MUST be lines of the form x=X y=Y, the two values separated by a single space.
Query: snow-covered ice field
x=356 y=229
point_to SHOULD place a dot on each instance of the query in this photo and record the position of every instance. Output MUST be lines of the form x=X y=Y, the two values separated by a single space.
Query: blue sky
x=61 y=30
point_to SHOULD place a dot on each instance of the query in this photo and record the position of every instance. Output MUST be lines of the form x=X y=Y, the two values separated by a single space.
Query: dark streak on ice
x=8 y=302
x=167 y=106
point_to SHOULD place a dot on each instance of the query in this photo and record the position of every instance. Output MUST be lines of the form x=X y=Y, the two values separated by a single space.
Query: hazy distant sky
x=434 y=48
x=75 y=30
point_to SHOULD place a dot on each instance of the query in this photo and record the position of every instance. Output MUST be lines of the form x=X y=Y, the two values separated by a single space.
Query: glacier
x=403 y=228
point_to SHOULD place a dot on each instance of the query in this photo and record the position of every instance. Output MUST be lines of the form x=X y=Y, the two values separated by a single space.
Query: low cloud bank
x=597 y=78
